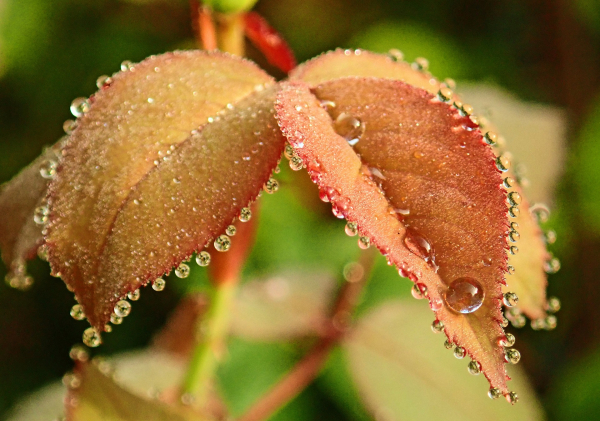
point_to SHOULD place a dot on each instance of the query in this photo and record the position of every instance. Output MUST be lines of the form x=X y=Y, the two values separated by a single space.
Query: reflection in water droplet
x=553 y=305
x=245 y=214
x=288 y=152
x=77 y=312
x=512 y=356
x=296 y=163
x=182 y=271
x=550 y=322
x=464 y=295
x=491 y=138
x=103 y=81
x=514 y=211
x=91 y=337
x=159 y=284
x=448 y=344
x=230 y=230
x=459 y=352
x=508 y=182
x=48 y=169
x=512 y=398
x=349 y=127
x=552 y=266
x=437 y=326
x=203 y=258
x=396 y=55
x=445 y=94
x=540 y=212
x=494 y=393
x=421 y=64
x=474 y=368
x=510 y=299
x=126 y=66
x=364 y=242
x=419 y=291
x=271 y=186
x=222 y=243
x=508 y=340
x=511 y=269
x=514 y=198
x=351 y=229
x=417 y=244
x=550 y=237
x=40 y=215
x=122 y=308
x=503 y=163
x=134 y=295
x=514 y=250
x=69 y=126
x=116 y=320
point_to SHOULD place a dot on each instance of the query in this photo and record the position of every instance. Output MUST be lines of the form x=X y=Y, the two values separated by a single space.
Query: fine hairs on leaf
x=168 y=156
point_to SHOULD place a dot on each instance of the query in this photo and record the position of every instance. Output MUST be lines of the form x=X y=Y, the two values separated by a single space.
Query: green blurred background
x=52 y=51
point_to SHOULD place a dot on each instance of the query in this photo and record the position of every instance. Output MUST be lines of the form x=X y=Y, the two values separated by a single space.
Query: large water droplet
x=490 y=138
x=514 y=198
x=80 y=106
x=349 y=127
x=222 y=243
x=91 y=337
x=77 y=312
x=464 y=295
x=182 y=271
x=126 y=66
x=203 y=258
x=508 y=340
x=122 y=308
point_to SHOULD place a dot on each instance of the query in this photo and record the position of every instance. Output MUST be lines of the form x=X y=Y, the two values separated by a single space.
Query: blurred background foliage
x=544 y=52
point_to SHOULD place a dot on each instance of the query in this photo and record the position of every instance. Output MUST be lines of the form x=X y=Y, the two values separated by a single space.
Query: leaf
x=269 y=42
x=99 y=397
x=20 y=235
x=420 y=165
x=137 y=191
x=404 y=372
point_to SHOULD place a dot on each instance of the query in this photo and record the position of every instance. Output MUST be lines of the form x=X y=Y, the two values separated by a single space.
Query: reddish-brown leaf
x=269 y=42
x=137 y=191
x=420 y=172
x=20 y=235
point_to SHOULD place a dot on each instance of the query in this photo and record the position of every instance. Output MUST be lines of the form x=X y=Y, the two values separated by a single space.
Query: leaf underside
x=137 y=191
x=420 y=165
x=530 y=280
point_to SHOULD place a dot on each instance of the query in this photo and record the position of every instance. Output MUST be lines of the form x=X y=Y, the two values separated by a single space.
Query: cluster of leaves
x=170 y=151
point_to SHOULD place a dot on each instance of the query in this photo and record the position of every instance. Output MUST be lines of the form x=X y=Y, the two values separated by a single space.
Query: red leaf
x=269 y=42
x=420 y=176
x=136 y=193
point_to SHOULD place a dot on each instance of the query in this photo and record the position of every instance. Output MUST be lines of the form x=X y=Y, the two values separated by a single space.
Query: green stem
x=212 y=332
x=230 y=29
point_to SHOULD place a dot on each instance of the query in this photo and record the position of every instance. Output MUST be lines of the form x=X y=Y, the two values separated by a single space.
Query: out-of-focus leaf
x=20 y=235
x=145 y=181
x=402 y=371
x=283 y=306
x=589 y=12
x=269 y=42
x=586 y=170
x=416 y=40
x=574 y=393
x=535 y=135
x=41 y=405
x=417 y=164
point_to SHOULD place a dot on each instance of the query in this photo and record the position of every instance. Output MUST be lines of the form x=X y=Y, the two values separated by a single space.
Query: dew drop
x=448 y=344
x=459 y=352
x=508 y=340
x=436 y=304
x=122 y=308
x=508 y=182
x=512 y=356
x=79 y=106
x=159 y=284
x=289 y=152
x=538 y=324
x=474 y=368
x=182 y=271
x=514 y=211
x=296 y=163
x=78 y=353
x=77 y=312
x=40 y=215
x=48 y=169
x=550 y=322
x=419 y=291
x=91 y=337
x=349 y=127
x=418 y=245
x=134 y=295
x=553 y=305
x=550 y=237
x=518 y=321
x=69 y=126
x=126 y=66
x=42 y=252
x=437 y=326
x=514 y=250
x=510 y=299
x=420 y=64
x=552 y=266
x=116 y=320
x=504 y=322
x=503 y=163
x=511 y=269
x=491 y=139
x=514 y=198
x=71 y=380
x=271 y=186
x=540 y=212
x=445 y=94
x=396 y=55
x=464 y=295
x=230 y=230
x=512 y=398
x=245 y=214
x=494 y=393
x=103 y=81
x=364 y=242
x=203 y=258
x=351 y=229
x=108 y=328
x=222 y=243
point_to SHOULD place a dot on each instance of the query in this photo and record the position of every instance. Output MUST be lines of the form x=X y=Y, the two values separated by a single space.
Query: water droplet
x=353 y=272
x=553 y=305
x=351 y=229
x=108 y=328
x=222 y=243
x=364 y=242
x=436 y=303
x=40 y=215
x=80 y=106
x=48 y=169
x=91 y=337
x=42 y=252
x=538 y=324
x=349 y=127
x=271 y=186
x=491 y=138
x=289 y=152
x=230 y=230
x=466 y=110
x=122 y=308
x=508 y=340
x=203 y=258
x=510 y=299
x=514 y=250
x=511 y=270
x=159 y=284
x=182 y=271
x=502 y=163
x=514 y=198
x=508 y=182
x=518 y=321
x=69 y=126
x=71 y=380
x=448 y=344
x=550 y=322
x=418 y=245
x=494 y=393
x=445 y=94
x=126 y=66
x=103 y=81
x=327 y=105
x=512 y=398
x=420 y=64
x=504 y=322
x=464 y=295
x=540 y=212
x=116 y=320
x=552 y=266
x=77 y=312
x=78 y=353
x=419 y=291
x=550 y=237
x=134 y=295
x=396 y=55
x=512 y=356
x=459 y=352
x=437 y=326
x=474 y=368
x=296 y=163
x=245 y=214
x=418 y=154
x=514 y=211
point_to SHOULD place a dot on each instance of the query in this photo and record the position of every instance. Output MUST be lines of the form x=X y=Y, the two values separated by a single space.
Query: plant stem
x=309 y=367
x=230 y=30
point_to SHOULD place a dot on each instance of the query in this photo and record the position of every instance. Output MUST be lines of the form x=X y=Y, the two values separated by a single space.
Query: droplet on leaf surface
x=91 y=337
x=123 y=308
x=464 y=295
